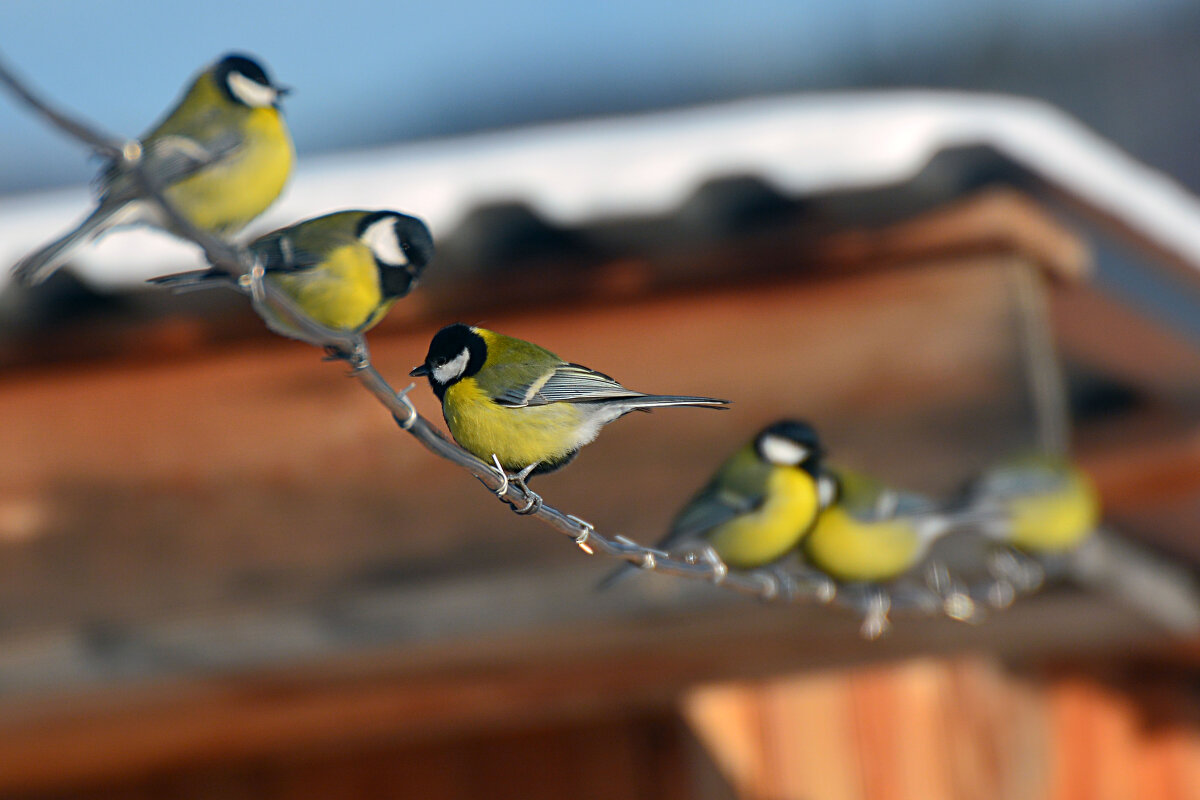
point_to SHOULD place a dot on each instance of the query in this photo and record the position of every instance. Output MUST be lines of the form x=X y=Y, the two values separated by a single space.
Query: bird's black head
x=790 y=443
x=245 y=82
x=456 y=352
x=402 y=247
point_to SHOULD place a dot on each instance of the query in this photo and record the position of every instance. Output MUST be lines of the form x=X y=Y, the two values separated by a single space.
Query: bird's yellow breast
x=517 y=436
x=226 y=196
x=1057 y=520
x=852 y=550
x=343 y=292
x=776 y=527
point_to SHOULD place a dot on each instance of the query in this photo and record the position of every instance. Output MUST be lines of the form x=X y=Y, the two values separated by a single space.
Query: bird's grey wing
x=567 y=383
x=171 y=159
x=868 y=500
x=707 y=510
x=891 y=504
x=908 y=504
x=278 y=252
x=1019 y=480
x=928 y=519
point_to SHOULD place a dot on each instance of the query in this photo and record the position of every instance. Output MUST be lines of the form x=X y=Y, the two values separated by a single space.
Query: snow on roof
x=579 y=171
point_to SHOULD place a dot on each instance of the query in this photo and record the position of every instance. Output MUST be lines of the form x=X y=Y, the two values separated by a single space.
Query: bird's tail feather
x=42 y=263
x=650 y=401
x=195 y=279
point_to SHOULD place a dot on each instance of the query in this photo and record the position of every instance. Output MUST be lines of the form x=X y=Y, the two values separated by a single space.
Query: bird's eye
x=439 y=362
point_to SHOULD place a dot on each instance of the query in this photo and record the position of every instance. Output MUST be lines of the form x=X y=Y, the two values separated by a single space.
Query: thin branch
x=101 y=143
x=873 y=602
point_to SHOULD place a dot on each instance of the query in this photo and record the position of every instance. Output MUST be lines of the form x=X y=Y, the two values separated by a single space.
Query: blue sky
x=369 y=72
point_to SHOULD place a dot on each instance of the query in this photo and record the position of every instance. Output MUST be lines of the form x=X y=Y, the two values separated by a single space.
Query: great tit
x=345 y=270
x=760 y=503
x=223 y=154
x=522 y=404
x=1038 y=504
x=868 y=533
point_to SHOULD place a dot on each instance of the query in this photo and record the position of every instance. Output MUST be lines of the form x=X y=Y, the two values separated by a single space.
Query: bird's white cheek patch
x=826 y=491
x=252 y=93
x=778 y=450
x=380 y=236
x=453 y=368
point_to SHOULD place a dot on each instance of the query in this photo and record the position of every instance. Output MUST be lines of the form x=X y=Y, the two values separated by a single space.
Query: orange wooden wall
x=952 y=730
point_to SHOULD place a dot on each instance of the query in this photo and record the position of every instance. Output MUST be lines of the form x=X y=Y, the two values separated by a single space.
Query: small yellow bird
x=345 y=270
x=522 y=404
x=758 y=505
x=870 y=533
x=223 y=154
x=1038 y=504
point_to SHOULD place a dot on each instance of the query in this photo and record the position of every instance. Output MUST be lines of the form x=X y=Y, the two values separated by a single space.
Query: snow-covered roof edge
x=648 y=164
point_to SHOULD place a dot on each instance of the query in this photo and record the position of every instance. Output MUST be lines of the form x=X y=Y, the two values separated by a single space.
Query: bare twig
x=101 y=143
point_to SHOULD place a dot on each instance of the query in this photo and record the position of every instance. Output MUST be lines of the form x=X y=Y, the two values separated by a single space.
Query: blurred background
x=225 y=573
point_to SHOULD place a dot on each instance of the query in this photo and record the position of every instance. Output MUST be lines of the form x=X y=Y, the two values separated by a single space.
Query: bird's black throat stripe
x=394 y=281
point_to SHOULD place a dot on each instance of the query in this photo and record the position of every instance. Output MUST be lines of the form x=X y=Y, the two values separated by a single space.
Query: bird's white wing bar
x=572 y=383
x=568 y=383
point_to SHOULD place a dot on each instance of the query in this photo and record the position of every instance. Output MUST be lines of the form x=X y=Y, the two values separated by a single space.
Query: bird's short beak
x=419 y=372
x=283 y=91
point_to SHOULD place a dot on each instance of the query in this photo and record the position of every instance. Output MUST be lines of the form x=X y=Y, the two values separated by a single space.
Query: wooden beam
x=998 y=220
x=582 y=668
